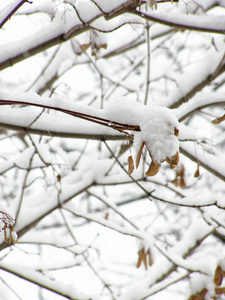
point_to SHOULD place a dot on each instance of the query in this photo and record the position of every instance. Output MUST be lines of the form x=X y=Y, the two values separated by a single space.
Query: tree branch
x=219 y=70
x=76 y=30
x=12 y=12
x=203 y=163
x=185 y=24
x=38 y=279
x=51 y=133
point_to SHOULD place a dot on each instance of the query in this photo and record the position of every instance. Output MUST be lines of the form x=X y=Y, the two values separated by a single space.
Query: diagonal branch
x=184 y=22
x=51 y=133
x=38 y=279
x=98 y=120
x=9 y=15
x=63 y=37
x=218 y=71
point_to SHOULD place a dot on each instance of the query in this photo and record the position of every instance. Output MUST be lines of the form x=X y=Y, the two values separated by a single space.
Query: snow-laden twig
x=10 y=9
x=209 y=24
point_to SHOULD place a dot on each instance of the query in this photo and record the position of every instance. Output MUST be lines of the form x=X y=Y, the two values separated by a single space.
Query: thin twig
x=7 y=18
x=44 y=69
x=85 y=256
x=173 y=23
x=114 y=208
x=61 y=38
x=24 y=186
x=121 y=127
x=148 y=194
x=148 y=63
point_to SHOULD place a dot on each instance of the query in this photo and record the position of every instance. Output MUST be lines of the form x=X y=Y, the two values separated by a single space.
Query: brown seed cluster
x=218 y=279
x=9 y=235
x=9 y=232
x=145 y=257
x=154 y=166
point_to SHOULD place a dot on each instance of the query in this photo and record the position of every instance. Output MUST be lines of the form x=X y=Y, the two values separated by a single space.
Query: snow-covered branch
x=214 y=24
x=112 y=149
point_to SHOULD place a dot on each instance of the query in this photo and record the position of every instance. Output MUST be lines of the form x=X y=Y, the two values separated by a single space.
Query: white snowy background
x=85 y=85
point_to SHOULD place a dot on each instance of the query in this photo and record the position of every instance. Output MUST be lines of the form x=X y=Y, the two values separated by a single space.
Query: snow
x=21 y=160
x=38 y=278
x=198 y=230
x=157 y=130
x=106 y=223
x=200 y=22
x=200 y=100
x=46 y=6
x=87 y=10
x=215 y=162
x=108 y=6
x=14 y=236
x=6 y=10
x=79 y=216
x=7 y=211
x=52 y=30
x=157 y=124
x=186 y=83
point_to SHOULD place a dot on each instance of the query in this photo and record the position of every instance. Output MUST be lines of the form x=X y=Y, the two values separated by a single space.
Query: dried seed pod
x=197 y=173
x=150 y=260
x=130 y=165
x=145 y=257
x=218 y=276
x=153 y=169
x=141 y=257
x=220 y=291
x=139 y=154
x=84 y=47
x=173 y=161
x=180 y=177
x=6 y=234
x=176 y=131
x=58 y=177
x=153 y=3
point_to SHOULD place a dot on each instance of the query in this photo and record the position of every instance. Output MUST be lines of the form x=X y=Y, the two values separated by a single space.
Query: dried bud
x=130 y=165
x=173 y=161
x=180 y=177
x=197 y=173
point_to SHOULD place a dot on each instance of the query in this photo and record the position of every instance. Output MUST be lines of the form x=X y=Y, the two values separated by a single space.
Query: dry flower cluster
x=155 y=165
x=10 y=235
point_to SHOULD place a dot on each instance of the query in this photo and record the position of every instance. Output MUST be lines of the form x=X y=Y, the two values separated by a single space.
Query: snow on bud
x=154 y=127
x=159 y=132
